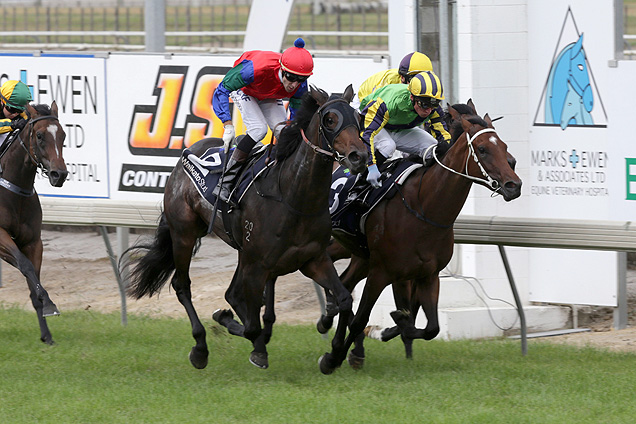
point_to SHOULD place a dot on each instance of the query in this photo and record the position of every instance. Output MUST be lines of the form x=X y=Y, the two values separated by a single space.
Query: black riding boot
x=379 y=159
x=234 y=166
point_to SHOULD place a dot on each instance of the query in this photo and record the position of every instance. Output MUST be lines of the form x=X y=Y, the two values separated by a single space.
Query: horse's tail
x=150 y=271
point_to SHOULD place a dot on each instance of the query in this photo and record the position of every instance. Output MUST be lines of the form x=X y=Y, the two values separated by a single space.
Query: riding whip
x=226 y=150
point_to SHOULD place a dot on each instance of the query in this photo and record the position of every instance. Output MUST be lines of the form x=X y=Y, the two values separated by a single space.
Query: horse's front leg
x=245 y=295
x=351 y=276
x=182 y=252
x=322 y=271
x=29 y=264
x=269 y=316
x=258 y=356
x=405 y=300
x=335 y=251
x=427 y=295
x=376 y=282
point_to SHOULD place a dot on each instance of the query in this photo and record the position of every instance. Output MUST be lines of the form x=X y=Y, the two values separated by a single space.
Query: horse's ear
x=466 y=124
x=488 y=121
x=472 y=106
x=348 y=94
x=31 y=110
x=318 y=95
x=54 y=109
x=453 y=113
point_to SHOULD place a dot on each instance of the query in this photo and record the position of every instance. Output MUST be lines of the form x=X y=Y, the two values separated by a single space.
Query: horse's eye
x=481 y=150
x=329 y=121
x=40 y=136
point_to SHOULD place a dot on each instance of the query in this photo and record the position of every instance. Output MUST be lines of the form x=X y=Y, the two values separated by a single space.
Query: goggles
x=12 y=109
x=294 y=78
x=427 y=102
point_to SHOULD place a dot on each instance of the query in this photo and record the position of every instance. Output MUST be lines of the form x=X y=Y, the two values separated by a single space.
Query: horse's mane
x=290 y=136
x=42 y=109
x=455 y=127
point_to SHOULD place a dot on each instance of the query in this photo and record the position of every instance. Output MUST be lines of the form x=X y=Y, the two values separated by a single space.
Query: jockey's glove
x=18 y=124
x=373 y=176
x=228 y=135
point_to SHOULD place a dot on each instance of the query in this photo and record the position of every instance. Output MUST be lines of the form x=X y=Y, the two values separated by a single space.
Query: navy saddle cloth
x=349 y=210
x=205 y=170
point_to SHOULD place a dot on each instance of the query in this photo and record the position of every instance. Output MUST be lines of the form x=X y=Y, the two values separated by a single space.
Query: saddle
x=352 y=199
x=205 y=171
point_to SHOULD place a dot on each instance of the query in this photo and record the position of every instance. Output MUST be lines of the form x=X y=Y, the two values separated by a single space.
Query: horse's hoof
x=323 y=363
x=222 y=314
x=259 y=360
x=321 y=327
x=50 y=310
x=198 y=361
x=49 y=342
x=356 y=362
x=399 y=315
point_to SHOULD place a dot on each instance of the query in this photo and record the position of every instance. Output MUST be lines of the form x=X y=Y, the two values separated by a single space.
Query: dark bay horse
x=410 y=236
x=281 y=225
x=39 y=145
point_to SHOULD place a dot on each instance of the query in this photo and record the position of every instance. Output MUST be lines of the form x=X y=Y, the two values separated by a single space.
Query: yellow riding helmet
x=15 y=94
x=414 y=63
x=426 y=84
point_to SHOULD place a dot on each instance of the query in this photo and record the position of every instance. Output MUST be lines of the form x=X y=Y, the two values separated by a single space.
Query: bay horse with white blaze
x=39 y=145
x=410 y=236
x=281 y=224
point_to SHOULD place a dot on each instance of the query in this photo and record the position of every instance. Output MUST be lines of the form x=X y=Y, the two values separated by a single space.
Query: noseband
x=487 y=180
x=328 y=136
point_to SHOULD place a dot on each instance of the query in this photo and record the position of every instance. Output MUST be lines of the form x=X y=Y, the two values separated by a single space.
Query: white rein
x=487 y=180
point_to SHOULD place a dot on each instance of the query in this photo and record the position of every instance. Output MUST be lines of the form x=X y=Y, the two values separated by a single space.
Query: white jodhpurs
x=413 y=141
x=258 y=115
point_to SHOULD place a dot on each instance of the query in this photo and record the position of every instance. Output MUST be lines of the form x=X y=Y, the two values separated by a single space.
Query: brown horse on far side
x=39 y=145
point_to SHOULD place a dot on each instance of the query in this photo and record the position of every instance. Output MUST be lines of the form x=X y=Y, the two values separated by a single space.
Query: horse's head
x=44 y=140
x=339 y=125
x=488 y=162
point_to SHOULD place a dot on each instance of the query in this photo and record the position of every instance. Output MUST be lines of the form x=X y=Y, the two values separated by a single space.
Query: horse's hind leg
x=182 y=247
x=29 y=265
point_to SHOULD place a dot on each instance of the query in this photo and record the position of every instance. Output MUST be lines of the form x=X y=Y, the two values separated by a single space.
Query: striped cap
x=414 y=63
x=426 y=84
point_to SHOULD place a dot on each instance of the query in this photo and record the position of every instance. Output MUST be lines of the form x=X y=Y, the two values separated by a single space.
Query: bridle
x=328 y=136
x=36 y=161
x=488 y=181
x=34 y=156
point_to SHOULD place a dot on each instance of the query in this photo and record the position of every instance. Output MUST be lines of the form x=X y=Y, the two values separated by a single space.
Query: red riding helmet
x=297 y=60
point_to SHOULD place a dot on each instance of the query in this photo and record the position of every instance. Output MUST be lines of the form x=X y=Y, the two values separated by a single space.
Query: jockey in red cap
x=257 y=84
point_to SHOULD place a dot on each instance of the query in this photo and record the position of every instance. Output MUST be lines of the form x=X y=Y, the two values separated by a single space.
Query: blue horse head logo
x=569 y=98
